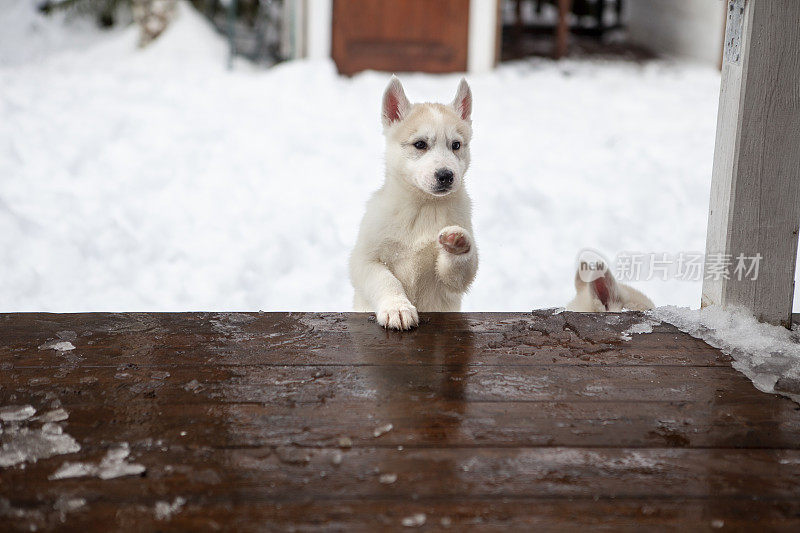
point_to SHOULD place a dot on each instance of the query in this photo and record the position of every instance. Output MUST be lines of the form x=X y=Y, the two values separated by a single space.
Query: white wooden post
x=319 y=23
x=755 y=190
x=483 y=35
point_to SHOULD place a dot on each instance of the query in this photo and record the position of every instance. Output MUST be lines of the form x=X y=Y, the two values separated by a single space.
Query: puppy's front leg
x=385 y=293
x=457 y=262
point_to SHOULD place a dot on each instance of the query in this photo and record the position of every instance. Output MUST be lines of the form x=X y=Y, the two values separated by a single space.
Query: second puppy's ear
x=462 y=103
x=603 y=287
x=395 y=104
x=606 y=290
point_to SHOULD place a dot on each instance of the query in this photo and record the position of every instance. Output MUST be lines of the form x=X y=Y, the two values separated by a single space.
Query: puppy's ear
x=604 y=288
x=395 y=104
x=462 y=103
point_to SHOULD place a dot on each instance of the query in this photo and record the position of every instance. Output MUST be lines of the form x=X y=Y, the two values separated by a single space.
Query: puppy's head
x=427 y=145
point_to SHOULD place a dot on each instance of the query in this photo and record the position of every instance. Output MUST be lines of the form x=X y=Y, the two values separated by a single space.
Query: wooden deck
x=326 y=422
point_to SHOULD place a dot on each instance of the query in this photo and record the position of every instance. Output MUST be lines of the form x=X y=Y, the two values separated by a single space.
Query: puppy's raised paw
x=397 y=314
x=455 y=240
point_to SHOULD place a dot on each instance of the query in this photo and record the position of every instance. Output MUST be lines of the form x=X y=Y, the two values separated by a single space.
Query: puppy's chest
x=412 y=249
x=414 y=262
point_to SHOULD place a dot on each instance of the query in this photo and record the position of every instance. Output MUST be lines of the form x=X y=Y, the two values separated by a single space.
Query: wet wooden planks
x=271 y=421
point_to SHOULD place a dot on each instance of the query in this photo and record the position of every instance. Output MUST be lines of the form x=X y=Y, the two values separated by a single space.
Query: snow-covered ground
x=157 y=180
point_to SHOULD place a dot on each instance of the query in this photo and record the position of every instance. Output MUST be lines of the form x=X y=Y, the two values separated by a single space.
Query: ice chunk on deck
x=415 y=520
x=113 y=465
x=25 y=444
x=15 y=413
x=165 y=510
x=640 y=328
x=380 y=430
x=60 y=346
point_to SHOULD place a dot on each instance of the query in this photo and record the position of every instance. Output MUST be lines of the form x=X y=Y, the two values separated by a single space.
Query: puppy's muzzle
x=444 y=180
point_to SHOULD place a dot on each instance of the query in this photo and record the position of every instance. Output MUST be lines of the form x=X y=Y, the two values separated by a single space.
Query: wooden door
x=400 y=35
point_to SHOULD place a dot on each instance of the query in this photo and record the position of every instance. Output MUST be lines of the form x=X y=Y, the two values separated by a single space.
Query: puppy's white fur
x=606 y=294
x=415 y=249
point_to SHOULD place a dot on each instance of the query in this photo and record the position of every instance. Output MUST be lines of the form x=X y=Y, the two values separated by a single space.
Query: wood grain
x=267 y=421
x=400 y=36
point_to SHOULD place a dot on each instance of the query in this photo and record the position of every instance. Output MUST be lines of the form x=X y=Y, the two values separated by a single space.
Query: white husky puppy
x=415 y=250
x=606 y=294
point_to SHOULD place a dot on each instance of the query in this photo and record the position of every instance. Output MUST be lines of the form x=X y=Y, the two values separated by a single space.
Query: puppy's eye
x=420 y=145
x=456 y=145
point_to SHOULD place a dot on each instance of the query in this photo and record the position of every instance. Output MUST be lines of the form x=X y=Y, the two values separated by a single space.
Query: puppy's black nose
x=444 y=177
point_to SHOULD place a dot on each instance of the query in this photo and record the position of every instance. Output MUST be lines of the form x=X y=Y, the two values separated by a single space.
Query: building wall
x=309 y=32
x=692 y=29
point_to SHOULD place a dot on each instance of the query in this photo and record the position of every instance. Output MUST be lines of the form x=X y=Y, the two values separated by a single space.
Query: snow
x=14 y=413
x=21 y=443
x=113 y=465
x=60 y=346
x=768 y=355
x=165 y=510
x=380 y=430
x=155 y=179
x=56 y=415
x=638 y=329
x=387 y=479
x=29 y=38
x=415 y=520
x=66 y=505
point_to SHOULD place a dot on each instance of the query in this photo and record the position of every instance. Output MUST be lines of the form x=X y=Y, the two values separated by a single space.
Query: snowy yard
x=158 y=180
